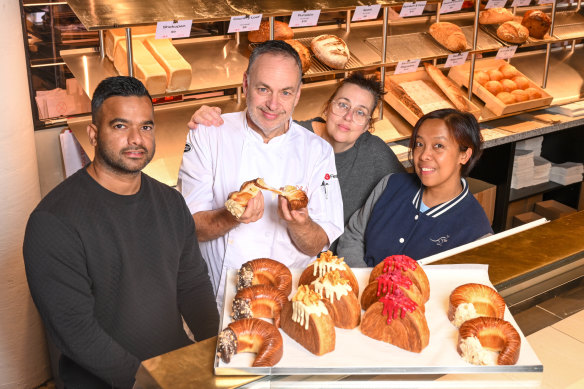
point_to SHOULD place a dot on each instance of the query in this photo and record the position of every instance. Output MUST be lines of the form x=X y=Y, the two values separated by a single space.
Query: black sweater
x=111 y=276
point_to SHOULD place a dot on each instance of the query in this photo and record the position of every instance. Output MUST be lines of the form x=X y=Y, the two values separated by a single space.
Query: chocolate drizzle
x=389 y=282
x=241 y=308
x=397 y=303
x=227 y=345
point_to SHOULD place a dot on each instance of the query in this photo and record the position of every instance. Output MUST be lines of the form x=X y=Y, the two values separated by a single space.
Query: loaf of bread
x=495 y=16
x=331 y=50
x=449 y=35
x=537 y=22
x=451 y=91
x=146 y=67
x=281 y=32
x=113 y=38
x=395 y=89
x=178 y=70
x=303 y=53
x=513 y=32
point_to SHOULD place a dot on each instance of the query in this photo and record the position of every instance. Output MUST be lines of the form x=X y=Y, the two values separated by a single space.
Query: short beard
x=116 y=164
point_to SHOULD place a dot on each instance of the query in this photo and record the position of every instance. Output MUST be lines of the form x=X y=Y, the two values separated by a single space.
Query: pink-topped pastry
x=408 y=267
x=388 y=283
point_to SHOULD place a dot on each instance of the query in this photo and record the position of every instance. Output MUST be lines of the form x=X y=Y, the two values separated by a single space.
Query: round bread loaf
x=533 y=93
x=508 y=85
x=520 y=95
x=508 y=71
x=521 y=81
x=495 y=16
x=281 y=32
x=303 y=53
x=506 y=98
x=481 y=77
x=494 y=87
x=513 y=32
x=331 y=50
x=495 y=75
x=537 y=22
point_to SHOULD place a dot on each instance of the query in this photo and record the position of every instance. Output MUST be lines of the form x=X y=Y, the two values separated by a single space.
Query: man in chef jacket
x=261 y=141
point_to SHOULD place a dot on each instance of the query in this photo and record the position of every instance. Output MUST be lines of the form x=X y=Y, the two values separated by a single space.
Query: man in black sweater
x=111 y=255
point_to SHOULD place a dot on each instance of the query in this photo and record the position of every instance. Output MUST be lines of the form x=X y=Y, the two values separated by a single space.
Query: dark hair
x=276 y=48
x=463 y=127
x=115 y=86
x=370 y=84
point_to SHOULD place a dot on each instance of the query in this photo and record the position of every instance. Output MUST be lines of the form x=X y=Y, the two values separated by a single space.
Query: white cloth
x=217 y=160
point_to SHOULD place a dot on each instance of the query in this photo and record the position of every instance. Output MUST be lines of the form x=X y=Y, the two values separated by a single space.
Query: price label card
x=456 y=59
x=451 y=6
x=408 y=66
x=304 y=19
x=244 y=23
x=180 y=29
x=495 y=4
x=544 y=2
x=412 y=9
x=506 y=52
x=520 y=3
x=366 y=12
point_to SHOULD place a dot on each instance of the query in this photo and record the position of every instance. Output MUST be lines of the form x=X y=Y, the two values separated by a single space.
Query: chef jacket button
x=416 y=217
x=401 y=240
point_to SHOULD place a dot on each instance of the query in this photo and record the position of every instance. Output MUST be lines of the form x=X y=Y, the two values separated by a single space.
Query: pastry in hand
x=408 y=267
x=325 y=263
x=336 y=294
x=237 y=201
x=397 y=320
x=306 y=320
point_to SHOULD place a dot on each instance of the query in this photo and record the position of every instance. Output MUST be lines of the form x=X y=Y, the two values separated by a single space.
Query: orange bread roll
x=521 y=81
x=481 y=77
x=509 y=71
x=494 y=87
x=520 y=95
x=533 y=93
x=508 y=85
x=506 y=98
x=495 y=75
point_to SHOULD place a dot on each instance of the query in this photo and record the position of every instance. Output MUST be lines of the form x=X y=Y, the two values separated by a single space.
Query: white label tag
x=542 y=2
x=456 y=59
x=412 y=9
x=520 y=3
x=366 y=12
x=408 y=66
x=451 y=6
x=244 y=23
x=506 y=52
x=180 y=29
x=495 y=4
x=304 y=19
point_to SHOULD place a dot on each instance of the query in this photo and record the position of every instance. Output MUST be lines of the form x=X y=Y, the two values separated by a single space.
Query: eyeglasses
x=358 y=115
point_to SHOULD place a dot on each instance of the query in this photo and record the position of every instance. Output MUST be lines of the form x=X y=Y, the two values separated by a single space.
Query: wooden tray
x=404 y=110
x=460 y=74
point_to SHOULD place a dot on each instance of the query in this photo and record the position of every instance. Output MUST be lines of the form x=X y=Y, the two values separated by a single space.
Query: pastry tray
x=356 y=353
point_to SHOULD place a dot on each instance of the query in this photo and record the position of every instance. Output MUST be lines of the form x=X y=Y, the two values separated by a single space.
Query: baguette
x=450 y=90
x=449 y=35
x=401 y=94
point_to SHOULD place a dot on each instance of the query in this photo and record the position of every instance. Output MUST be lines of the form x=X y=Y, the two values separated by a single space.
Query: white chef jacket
x=217 y=160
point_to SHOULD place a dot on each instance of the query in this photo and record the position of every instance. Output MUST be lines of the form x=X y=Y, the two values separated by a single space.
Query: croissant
x=296 y=197
x=477 y=335
x=341 y=304
x=259 y=301
x=251 y=336
x=395 y=319
x=325 y=263
x=387 y=283
x=409 y=267
x=265 y=271
x=473 y=300
x=306 y=320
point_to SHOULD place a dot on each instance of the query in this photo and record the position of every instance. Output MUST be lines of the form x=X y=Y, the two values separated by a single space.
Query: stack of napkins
x=541 y=170
x=533 y=144
x=566 y=173
x=523 y=168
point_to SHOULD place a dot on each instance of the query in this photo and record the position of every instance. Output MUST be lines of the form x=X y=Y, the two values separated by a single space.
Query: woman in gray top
x=362 y=159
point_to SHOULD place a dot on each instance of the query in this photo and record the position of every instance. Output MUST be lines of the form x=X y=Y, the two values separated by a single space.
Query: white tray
x=356 y=353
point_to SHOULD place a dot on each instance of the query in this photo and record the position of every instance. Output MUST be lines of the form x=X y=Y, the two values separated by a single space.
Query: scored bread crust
x=493 y=334
x=331 y=50
x=303 y=53
x=410 y=333
x=449 y=35
x=319 y=338
x=513 y=32
x=495 y=16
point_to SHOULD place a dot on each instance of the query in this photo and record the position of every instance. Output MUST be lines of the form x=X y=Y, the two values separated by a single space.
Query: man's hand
x=297 y=217
x=207 y=116
x=254 y=210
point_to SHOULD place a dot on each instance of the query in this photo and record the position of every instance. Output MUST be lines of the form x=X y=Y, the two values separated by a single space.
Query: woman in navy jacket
x=427 y=212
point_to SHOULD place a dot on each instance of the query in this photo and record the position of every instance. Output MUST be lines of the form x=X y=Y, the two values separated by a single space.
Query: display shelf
x=518 y=194
x=569 y=25
x=105 y=14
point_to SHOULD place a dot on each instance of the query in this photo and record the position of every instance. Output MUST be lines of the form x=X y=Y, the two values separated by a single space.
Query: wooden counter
x=511 y=260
